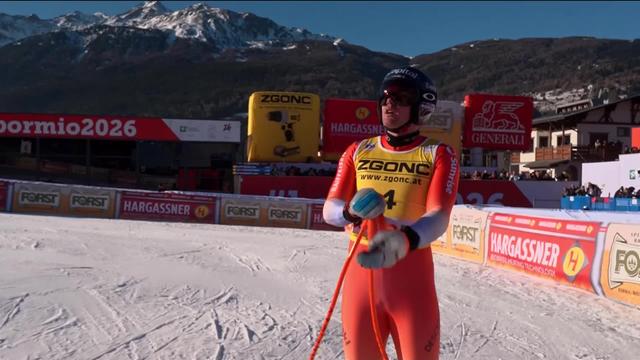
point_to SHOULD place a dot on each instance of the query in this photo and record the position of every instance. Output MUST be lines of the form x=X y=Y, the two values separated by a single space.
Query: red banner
x=474 y=192
x=491 y=192
x=317 y=220
x=346 y=121
x=167 y=207
x=311 y=187
x=4 y=192
x=561 y=250
x=84 y=127
x=497 y=121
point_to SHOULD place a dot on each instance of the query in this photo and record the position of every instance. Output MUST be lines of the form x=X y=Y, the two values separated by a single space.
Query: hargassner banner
x=105 y=127
x=557 y=249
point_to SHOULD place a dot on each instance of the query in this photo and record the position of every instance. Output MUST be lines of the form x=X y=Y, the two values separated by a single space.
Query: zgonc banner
x=283 y=126
x=620 y=274
x=464 y=236
x=4 y=194
x=561 y=250
x=167 y=207
x=117 y=128
x=346 y=121
x=63 y=200
x=497 y=122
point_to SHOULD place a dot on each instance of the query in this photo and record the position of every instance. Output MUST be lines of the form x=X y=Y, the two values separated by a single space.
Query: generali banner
x=63 y=200
x=620 y=274
x=561 y=250
x=167 y=207
x=497 y=121
x=346 y=121
x=4 y=195
x=258 y=212
x=464 y=235
x=104 y=127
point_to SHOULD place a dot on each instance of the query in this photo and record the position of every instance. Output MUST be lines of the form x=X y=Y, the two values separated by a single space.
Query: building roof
x=572 y=119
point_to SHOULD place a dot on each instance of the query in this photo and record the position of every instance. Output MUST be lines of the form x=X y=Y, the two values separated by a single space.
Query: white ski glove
x=367 y=204
x=385 y=249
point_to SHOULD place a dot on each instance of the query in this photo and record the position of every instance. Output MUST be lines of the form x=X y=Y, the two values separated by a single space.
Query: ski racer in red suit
x=413 y=181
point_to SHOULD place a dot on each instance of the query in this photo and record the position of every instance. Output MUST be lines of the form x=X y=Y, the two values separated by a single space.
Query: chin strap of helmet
x=402 y=139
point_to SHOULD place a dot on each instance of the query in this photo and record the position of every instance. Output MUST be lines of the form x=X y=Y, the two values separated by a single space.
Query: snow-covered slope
x=115 y=289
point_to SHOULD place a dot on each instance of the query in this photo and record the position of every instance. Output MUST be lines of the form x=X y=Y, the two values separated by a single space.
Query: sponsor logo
x=525 y=249
x=451 y=178
x=573 y=262
x=394 y=167
x=624 y=262
x=362 y=113
x=201 y=211
x=285 y=99
x=463 y=234
x=498 y=116
x=285 y=214
x=89 y=201
x=242 y=211
x=87 y=127
x=39 y=198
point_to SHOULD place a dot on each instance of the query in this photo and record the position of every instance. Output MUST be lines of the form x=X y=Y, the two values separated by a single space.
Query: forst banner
x=105 y=127
x=620 y=273
x=283 y=127
x=346 y=121
x=497 y=121
x=258 y=212
x=167 y=207
x=561 y=250
x=63 y=200
x=464 y=237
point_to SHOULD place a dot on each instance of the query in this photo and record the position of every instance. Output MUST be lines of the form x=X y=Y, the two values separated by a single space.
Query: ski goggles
x=401 y=95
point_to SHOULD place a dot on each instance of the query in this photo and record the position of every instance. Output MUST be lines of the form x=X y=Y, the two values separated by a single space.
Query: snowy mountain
x=16 y=27
x=222 y=28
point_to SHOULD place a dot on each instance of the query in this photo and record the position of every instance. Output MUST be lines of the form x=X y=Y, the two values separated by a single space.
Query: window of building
x=563 y=141
x=543 y=141
x=624 y=132
x=531 y=145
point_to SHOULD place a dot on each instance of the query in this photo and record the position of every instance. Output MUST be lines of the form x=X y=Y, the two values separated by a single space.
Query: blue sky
x=408 y=28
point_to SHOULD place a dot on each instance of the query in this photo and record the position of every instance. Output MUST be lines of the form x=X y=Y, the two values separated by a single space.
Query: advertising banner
x=63 y=200
x=620 y=275
x=167 y=207
x=317 y=220
x=464 y=236
x=283 y=126
x=4 y=195
x=91 y=202
x=346 y=121
x=39 y=199
x=491 y=192
x=240 y=212
x=445 y=124
x=560 y=250
x=263 y=212
x=105 y=127
x=310 y=187
x=497 y=121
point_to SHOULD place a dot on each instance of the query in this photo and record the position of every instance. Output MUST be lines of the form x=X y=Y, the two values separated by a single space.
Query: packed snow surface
x=74 y=288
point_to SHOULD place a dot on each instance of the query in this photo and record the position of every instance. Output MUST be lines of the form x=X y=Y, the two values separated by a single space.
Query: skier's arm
x=440 y=200
x=342 y=190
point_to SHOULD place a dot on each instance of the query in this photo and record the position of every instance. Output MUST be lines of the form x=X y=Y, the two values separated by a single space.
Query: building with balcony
x=561 y=143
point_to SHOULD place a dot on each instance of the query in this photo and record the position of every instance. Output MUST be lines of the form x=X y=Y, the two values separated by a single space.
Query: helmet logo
x=429 y=96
